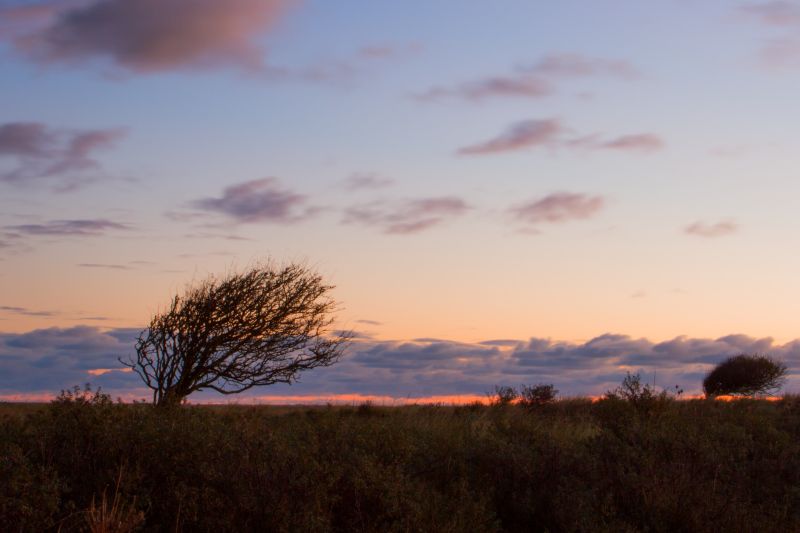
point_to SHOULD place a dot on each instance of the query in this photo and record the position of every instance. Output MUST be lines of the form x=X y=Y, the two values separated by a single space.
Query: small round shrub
x=745 y=375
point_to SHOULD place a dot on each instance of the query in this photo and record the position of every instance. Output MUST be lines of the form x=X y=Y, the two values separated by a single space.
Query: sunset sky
x=502 y=193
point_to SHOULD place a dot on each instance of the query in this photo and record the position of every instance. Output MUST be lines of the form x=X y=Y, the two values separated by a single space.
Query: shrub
x=535 y=395
x=504 y=395
x=745 y=375
x=632 y=390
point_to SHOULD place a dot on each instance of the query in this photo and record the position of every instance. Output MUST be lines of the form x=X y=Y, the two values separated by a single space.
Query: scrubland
x=85 y=463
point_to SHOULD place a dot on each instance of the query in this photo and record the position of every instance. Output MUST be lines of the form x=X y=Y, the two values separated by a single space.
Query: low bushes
x=573 y=466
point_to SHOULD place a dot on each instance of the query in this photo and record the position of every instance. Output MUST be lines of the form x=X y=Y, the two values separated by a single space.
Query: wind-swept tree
x=243 y=330
x=745 y=375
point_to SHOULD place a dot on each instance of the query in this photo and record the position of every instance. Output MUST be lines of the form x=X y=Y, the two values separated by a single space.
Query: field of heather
x=84 y=463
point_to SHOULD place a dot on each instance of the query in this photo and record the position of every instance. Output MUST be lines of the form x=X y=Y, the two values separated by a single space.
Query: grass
x=612 y=465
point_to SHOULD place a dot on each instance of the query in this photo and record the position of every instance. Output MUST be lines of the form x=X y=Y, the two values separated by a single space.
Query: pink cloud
x=533 y=81
x=577 y=65
x=412 y=216
x=501 y=86
x=526 y=134
x=558 y=207
x=781 y=50
x=151 y=35
x=550 y=132
x=719 y=229
x=645 y=142
x=775 y=13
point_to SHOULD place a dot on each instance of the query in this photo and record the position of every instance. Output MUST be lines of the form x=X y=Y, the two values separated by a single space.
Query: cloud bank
x=47 y=360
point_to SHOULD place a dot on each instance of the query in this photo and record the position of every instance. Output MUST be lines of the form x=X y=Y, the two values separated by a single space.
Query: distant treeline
x=85 y=463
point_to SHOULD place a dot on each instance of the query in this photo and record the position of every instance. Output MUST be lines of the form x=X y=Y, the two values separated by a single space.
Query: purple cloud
x=38 y=151
x=533 y=81
x=525 y=134
x=530 y=134
x=577 y=65
x=73 y=228
x=412 y=216
x=558 y=207
x=149 y=35
x=645 y=142
x=523 y=86
x=261 y=200
x=719 y=229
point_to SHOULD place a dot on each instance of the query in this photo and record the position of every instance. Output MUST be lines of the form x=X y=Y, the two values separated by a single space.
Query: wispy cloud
x=782 y=50
x=411 y=216
x=522 y=86
x=262 y=200
x=25 y=311
x=525 y=134
x=557 y=208
x=369 y=322
x=551 y=133
x=371 y=181
x=645 y=142
x=571 y=65
x=774 y=13
x=104 y=266
x=536 y=80
x=149 y=35
x=718 y=229
x=75 y=228
x=38 y=151
x=386 y=51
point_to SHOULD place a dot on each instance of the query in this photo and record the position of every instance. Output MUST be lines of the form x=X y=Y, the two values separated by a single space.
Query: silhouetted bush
x=632 y=390
x=504 y=395
x=536 y=395
x=745 y=375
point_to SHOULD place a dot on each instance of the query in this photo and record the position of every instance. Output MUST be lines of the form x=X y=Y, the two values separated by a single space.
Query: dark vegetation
x=746 y=375
x=635 y=461
x=244 y=330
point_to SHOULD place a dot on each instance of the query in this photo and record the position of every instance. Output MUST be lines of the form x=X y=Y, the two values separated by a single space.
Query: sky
x=558 y=192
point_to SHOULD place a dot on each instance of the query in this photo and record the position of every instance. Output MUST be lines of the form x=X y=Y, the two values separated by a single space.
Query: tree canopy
x=229 y=334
